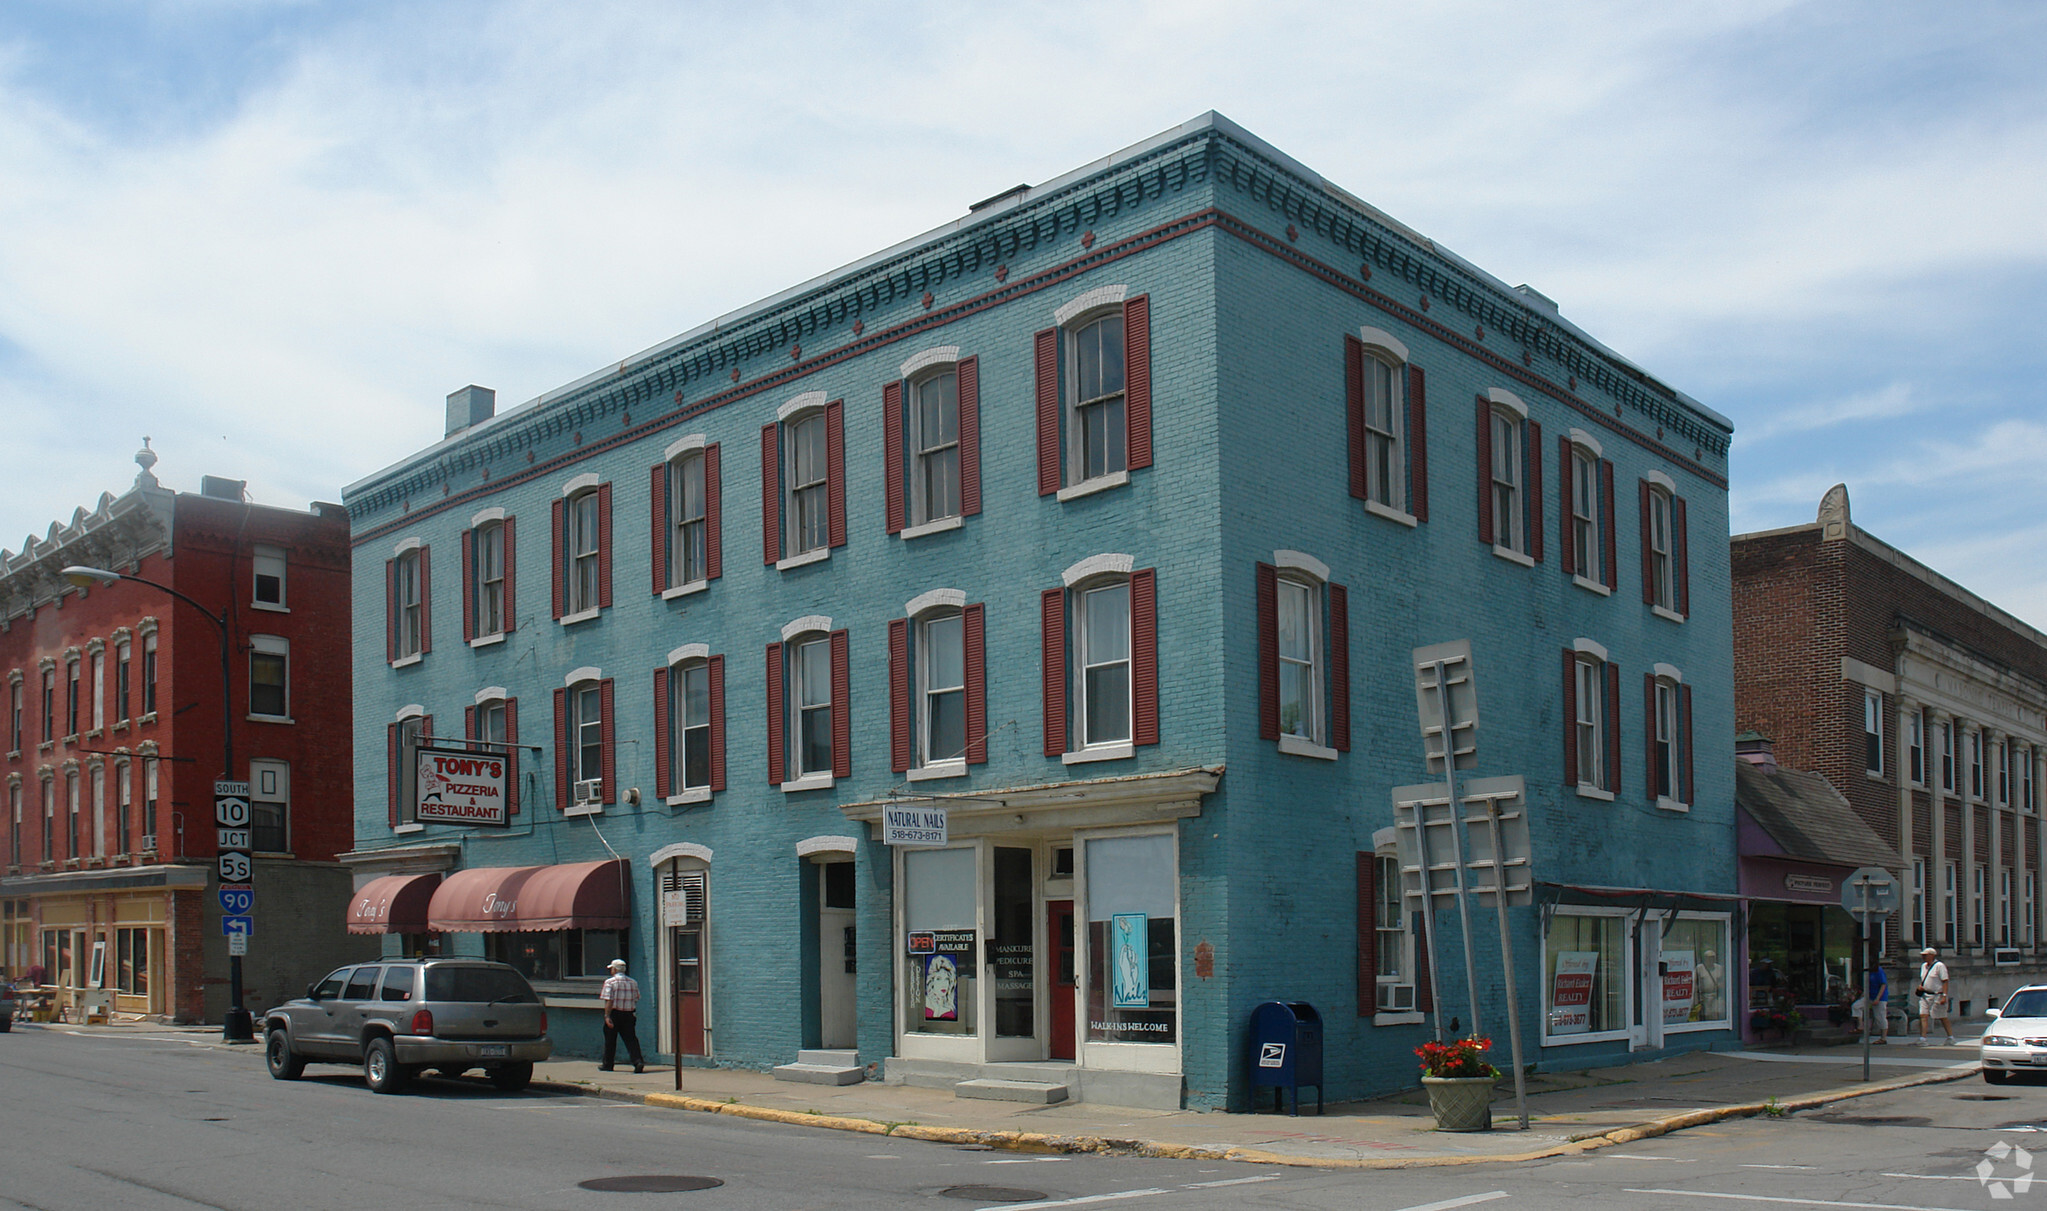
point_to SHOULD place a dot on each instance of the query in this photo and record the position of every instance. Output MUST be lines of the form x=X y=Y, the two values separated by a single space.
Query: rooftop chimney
x=472 y=405
x=222 y=489
x=1758 y=750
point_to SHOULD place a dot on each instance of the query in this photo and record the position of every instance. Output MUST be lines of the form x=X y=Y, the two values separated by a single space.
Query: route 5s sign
x=234 y=866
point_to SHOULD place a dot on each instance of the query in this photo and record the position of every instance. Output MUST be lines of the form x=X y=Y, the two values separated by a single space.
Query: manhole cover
x=653 y=1183
x=993 y=1194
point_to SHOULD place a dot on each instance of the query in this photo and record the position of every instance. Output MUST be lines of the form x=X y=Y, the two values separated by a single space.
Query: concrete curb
x=1028 y=1141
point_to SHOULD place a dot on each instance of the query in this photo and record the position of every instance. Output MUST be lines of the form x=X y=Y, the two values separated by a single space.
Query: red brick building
x=112 y=741
x=1926 y=706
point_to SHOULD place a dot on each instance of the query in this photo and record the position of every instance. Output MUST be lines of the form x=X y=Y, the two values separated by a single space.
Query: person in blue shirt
x=1879 y=994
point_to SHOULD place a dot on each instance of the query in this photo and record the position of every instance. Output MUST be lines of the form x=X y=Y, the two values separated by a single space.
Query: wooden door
x=686 y=944
x=1059 y=937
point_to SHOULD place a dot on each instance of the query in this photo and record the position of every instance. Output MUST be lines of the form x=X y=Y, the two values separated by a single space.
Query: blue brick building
x=1110 y=519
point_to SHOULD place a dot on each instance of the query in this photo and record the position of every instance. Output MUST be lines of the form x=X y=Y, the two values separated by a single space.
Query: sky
x=272 y=236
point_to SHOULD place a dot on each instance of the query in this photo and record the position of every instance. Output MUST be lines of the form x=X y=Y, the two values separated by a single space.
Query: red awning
x=518 y=899
x=392 y=904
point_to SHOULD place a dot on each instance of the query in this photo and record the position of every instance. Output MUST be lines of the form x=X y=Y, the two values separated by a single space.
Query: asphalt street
x=163 y=1121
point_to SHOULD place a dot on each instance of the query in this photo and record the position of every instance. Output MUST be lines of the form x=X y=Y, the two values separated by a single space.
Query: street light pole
x=238 y=1026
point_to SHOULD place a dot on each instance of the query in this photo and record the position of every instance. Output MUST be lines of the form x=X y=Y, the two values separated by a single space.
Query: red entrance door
x=1059 y=930
x=687 y=946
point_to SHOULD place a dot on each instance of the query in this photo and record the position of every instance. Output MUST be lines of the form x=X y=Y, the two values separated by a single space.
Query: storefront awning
x=392 y=904
x=517 y=899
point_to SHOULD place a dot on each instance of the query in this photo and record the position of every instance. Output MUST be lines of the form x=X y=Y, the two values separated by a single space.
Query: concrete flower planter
x=1461 y=1103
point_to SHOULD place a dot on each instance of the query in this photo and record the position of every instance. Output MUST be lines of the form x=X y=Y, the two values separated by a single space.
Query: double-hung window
x=14 y=710
x=1950 y=887
x=1094 y=392
x=1386 y=420
x=584 y=538
x=493 y=727
x=1505 y=504
x=1669 y=709
x=123 y=652
x=124 y=807
x=1303 y=656
x=49 y=702
x=1101 y=660
x=1947 y=755
x=803 y=480
x=931 y=437
x=270 y=806
x=489 y=556
x=403 y=738
x=1393 y=961
x=149 y=675
x=269 y=684
x=71 y=696
x=583 y=743
x=1976 y=764
x=689 y=718
x=686 y=491
x=809 y=737
x=1915 y=741
x=2004 y=754
x=938 y=685
x=1592 y=714
x=268 y=578
x=1666 y=576
x=935 y=447
x=14 y=822
x=49 y=818
x=99 y=687
x=1873 y=732
x=406 y=575
x=1586 y=534
x=1921 y=908
x=72 y=794
x=150 y=790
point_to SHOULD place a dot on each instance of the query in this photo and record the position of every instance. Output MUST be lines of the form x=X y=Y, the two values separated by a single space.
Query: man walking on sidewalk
x=621 y=997
x=1933 y=985
x=1877 y=1005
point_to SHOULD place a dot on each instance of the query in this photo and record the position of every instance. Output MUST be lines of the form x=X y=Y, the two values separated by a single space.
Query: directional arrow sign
x=231 y=925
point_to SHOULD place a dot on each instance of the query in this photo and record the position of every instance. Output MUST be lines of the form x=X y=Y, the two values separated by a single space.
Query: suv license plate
x=493 y=1049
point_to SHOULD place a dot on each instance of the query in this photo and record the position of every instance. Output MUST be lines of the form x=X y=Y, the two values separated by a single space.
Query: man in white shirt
x=621 y=997
x=1933 y=987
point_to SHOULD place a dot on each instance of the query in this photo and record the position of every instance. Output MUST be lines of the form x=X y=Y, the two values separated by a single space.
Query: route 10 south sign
x=456 y=786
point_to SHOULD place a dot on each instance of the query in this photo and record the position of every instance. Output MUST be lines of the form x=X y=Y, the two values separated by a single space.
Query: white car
x=2016 y=1042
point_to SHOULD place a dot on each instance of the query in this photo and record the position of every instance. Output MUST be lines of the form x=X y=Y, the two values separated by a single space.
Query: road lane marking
x=1795 y=1202
x=1638 y=1156
x=1468 y=1200
x=1780 y=1166
x=1235 y=1181
x=1027 y=1160
x=1935 y=1177
x=1075 y=1202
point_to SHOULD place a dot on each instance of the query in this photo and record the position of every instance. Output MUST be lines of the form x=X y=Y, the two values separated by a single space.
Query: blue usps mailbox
x=1286 y=1050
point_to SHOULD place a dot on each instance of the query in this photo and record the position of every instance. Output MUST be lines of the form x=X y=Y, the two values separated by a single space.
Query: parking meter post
x=1507 y=959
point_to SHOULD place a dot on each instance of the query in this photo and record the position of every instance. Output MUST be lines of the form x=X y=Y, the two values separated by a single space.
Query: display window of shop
x=940 y=935
x=1585 y=978
x=560 y=954
x=1800 y=954
x=1132 y=891
x=131 y=961
x=1692 y=969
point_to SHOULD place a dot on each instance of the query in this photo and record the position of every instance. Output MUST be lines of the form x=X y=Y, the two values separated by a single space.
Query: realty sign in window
x=461 y=787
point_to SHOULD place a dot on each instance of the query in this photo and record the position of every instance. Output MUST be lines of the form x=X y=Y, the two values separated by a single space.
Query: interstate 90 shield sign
x=457 y=786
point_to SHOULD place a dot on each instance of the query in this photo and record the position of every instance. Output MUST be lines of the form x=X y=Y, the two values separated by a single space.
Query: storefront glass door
x=939 y=953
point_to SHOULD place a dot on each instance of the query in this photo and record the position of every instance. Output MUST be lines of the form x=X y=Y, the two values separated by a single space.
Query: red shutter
x=1052 y=632
x=426 y=600
x=1648 y=551
x=657 y=526
x=469 y=727
x=1613 y=727
x=1339 y=668
x=1424 y=978
x=1144 y=657
x=468 y=585
x=1570 y=714
x=1531 y=460
x=511 y=735
x=1608 y=529
x=974 y=634
x=893 y=468
x=561 y=750
x=1680 y=560
x=771 y=494
x=835 y=472
x=1567 y=552
x=662 y=787
x=390 y=612
x=1268 y=652
x=1684 y=731
x=391 y=780
x=561 y=553
x=1485 y=471
x=900 y=750
x=1354 y=411
x=608 y=761
x=511 y=566
x=717 y=704
x=1417 y=444
x=604 y=552
x=776 y=753
x=842 y=706
x=1137 y=381
x=1649 y=736
x=969 y=372
x=1047 y=359
x=714 y=542
x=1368 y=933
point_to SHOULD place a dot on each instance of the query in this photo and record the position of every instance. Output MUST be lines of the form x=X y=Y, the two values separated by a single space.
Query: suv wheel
x=512 y=1077
x=381 y=1069
x=284 y=1063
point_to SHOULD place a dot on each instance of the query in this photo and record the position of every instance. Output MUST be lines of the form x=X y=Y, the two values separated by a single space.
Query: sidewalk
x=1568 y=1112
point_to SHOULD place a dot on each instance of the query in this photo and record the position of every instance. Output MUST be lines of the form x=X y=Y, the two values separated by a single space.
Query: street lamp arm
x=82 y=576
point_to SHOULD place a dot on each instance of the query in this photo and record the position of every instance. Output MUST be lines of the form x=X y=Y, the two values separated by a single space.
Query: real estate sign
x=1571 y=996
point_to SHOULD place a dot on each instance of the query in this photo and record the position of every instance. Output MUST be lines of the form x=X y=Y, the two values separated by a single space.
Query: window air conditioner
x=590 y=790
x=148 y=841
x=2005 y=956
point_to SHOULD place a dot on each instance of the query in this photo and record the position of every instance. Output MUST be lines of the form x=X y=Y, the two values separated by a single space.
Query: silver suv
x=398 y=1017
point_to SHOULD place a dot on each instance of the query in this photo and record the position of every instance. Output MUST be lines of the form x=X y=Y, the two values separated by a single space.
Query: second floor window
x=690 y=706
x=269 y=689
x=1592 y=709
x=809 y=734
x=942 y=689
x=1102 y=664
x=811 y=705
x=270 y=806
x=1670 y=744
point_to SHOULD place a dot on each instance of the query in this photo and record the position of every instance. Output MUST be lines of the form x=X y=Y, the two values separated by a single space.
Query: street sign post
x=235 y=863
x=1871 y=894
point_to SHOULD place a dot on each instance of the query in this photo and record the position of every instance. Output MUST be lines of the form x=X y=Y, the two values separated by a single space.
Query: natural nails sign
x=460 y=787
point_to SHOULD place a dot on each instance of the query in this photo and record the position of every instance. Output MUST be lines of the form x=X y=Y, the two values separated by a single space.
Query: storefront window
x=1014 y=946
x=1695 y=974
x=941 y=962
x=1585 y=975
x=562 y=954
x=1805 y=952
x=131 y=959
x=1133 y=948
